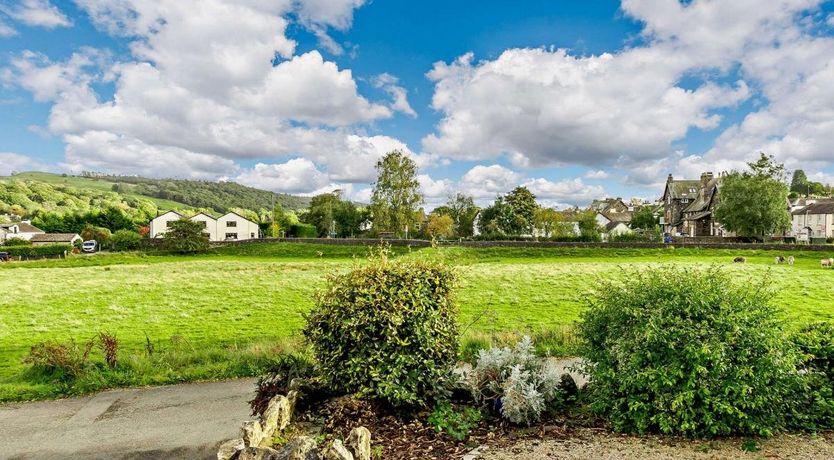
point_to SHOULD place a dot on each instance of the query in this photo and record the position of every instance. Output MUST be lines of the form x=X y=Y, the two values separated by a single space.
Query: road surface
x=171 y=422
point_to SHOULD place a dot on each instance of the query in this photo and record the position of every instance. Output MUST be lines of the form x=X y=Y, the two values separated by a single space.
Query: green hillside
x=164 y=194
x=219 y=196
x=92 y=185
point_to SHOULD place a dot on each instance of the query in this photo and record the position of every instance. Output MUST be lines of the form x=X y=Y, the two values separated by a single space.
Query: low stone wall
x=543 y=244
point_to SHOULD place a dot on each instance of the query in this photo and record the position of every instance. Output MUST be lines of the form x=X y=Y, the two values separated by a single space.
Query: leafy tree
x=396 y=193
x=461 y=208
x=495 y=219
x=588 y=226
x=644 y=219
x=547 y=220
x=440 y=225
x=185 y=236
x=511 y=214
x=281 y=220
x=100 y=234
x=523 y=204
x=329 y=214
x=799 y=182
x=753 y=202
x=126 y=240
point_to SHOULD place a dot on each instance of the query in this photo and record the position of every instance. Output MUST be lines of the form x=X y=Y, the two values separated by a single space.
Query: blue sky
x=576 y=100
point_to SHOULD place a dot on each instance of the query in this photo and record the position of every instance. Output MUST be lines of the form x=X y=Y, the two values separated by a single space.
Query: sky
x=574 y=100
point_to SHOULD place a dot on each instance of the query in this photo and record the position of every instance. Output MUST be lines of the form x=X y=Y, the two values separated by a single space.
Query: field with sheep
x=227 y=313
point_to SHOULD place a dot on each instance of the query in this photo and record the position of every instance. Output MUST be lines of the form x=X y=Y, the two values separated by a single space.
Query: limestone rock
x=259 y=453
x=337 y=451
x=359 y=440
x=300 y=448
x=253 y=434
x=277 y=415
x=228 y=449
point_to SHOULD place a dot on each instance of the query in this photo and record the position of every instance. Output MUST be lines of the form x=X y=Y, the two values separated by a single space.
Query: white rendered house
x=229 y=227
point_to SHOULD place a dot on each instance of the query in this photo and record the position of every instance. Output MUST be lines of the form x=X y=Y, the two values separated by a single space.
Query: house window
x=231 y=236
x=251 y=235
x=205 y=224
x=231 y=223
x=168 y=224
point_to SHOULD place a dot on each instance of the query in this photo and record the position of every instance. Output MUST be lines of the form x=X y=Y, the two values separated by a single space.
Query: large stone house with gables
x=690 y=207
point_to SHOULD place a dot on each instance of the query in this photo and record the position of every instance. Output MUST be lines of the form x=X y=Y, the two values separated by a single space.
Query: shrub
x=687 y=351
x=387 y=329
x=126 y=240
x=303 y=231
x=38 y=251
x=456 y=423
x=15 y=241
x=814 y=405
x=65 y=361
x=185 y=237
x=277 y=379
x=516 y=381
x=101 y=235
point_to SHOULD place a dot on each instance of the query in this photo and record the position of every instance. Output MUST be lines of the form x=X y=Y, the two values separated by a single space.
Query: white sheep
x=791 y=260
x=827 y=263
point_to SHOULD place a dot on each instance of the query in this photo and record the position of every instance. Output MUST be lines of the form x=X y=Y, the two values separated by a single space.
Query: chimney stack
x=705 y=178
x=669 y=179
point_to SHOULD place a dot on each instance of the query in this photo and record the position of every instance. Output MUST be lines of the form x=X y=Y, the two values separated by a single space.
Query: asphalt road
x=171 y=422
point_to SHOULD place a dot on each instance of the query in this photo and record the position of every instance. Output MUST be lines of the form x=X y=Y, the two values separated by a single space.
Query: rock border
x=255 y=442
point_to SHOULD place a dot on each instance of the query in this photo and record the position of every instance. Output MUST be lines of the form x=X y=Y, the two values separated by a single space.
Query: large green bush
x=303 y=231
x=126 y=240
x=814 y=400
x=185 y=236
x=689 y=352
x=386 y=329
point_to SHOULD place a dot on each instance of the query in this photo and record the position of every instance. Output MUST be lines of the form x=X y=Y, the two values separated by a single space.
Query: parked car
x=89 y=246
x=4 y=257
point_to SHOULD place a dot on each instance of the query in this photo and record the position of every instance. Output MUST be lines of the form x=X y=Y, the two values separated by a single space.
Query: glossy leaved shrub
x=813 y=406
x=688 y=352
x=386 y=329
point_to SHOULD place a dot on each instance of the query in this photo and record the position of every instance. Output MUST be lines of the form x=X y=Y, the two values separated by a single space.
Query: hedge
x=303 y=231
x=37 y=251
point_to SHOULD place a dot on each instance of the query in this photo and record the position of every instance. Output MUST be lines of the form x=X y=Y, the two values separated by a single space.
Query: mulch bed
x=398 y=437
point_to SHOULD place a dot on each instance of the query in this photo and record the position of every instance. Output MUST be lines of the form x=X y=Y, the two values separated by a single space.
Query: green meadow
x=226 y=314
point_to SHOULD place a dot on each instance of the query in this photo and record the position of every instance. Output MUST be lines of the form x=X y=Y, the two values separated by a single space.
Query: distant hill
x=30 y=192
x=219 y=196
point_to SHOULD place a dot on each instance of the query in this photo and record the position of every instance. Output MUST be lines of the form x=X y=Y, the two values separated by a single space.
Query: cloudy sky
x=575 y=100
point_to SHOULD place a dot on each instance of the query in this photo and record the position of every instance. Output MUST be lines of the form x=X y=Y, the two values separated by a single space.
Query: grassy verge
x=222 y=314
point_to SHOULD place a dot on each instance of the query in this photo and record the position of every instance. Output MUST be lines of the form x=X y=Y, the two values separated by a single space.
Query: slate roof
x=617 y=216
x=825 y=207
x=682 y=189
x=54 y=238
x=23 y=227
x=701 y=203
x=612 y=225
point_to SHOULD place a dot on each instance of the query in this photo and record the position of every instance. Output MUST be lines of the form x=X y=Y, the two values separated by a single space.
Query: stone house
x=690 y=207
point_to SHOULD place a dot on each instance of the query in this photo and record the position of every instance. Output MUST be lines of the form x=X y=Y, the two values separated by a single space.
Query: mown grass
x=227 y=313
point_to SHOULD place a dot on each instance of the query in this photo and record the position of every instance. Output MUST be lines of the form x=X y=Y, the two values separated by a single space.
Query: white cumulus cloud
x=38 y=13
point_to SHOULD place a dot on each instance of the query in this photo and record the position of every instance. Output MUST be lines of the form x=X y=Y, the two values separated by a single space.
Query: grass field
x=225 y=314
